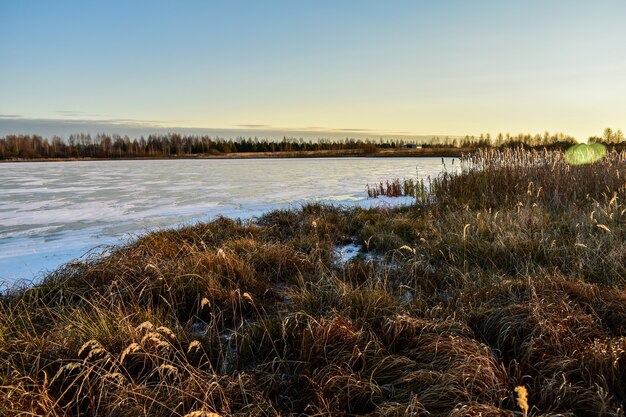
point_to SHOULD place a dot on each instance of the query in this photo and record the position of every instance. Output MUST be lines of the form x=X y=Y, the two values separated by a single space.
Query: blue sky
x=401 y=67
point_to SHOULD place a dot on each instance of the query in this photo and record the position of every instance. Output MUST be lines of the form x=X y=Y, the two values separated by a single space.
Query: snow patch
x=347 y=253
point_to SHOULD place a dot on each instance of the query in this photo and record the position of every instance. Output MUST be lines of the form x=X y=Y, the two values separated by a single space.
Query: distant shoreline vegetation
x=105 y=146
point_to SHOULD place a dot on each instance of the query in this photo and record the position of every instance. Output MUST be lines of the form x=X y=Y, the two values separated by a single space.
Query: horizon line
x=12 y=124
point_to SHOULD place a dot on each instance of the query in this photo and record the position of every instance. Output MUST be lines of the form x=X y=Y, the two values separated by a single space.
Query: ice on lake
x=54 y=212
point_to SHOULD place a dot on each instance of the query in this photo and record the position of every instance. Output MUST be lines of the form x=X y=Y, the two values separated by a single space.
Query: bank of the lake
x=509 y=278
x=447 y=152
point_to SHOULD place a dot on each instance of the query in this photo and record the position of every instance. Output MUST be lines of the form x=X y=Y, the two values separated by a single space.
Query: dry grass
x=510 y=274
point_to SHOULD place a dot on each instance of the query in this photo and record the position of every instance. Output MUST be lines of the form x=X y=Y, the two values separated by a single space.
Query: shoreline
x=352 y=153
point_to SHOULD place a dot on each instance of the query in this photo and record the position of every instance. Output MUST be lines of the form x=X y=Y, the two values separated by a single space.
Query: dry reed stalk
x=522 y=399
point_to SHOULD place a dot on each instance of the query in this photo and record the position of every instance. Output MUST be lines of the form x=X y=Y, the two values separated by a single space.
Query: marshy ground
x=511 y=273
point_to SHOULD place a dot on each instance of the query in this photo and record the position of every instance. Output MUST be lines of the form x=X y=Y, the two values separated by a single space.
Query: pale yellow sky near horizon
x=407 y=67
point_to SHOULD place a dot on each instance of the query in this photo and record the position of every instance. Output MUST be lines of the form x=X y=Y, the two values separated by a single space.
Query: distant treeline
x=163 y=145
x=167 y=145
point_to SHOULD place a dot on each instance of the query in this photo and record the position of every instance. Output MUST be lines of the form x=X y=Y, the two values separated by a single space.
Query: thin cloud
x=309 y=129
x=70 y=112
x=356 y=130
x=252 y=126
x=106 y=121
x=87 y=118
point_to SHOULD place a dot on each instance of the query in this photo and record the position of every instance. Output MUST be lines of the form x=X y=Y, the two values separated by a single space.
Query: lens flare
x=585 y=153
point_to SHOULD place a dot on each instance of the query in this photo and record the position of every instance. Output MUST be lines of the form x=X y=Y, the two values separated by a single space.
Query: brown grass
x=510 y=274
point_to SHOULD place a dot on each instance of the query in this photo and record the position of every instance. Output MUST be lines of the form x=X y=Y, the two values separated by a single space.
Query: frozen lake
x=54 y=212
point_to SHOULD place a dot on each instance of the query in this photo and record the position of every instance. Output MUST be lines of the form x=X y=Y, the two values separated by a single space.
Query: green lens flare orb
x=585 y=153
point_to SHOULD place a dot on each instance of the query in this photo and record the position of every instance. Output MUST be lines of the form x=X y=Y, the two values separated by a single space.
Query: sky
x=369 y=68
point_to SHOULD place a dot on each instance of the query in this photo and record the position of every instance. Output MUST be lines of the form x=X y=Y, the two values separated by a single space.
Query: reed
x=399 y=188
x=492 y=178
